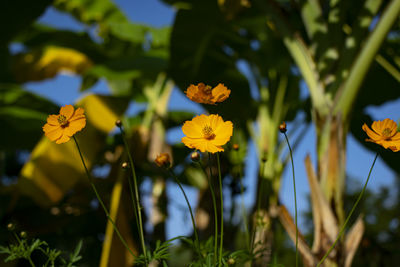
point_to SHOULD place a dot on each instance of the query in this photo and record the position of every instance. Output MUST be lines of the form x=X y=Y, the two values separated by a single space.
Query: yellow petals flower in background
x=207 y=133
x=384 y=133
x=204 y=94
x=60 y=128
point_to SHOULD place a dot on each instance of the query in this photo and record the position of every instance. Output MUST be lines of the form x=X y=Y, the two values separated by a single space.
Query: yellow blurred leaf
x=43 y=64
x=54 y=169
x=114 y=252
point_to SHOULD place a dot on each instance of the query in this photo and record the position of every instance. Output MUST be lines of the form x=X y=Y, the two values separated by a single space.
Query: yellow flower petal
x=220 y=93
x=75 y=126
x=373 y=135
x=52 y=119
x=192 y=129
x=54 y=134
x=67 y=111
x=64 y=138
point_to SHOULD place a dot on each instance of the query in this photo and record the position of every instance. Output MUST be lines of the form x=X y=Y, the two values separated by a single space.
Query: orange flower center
x=208 y=133
x=62 y=120
x=387 y=132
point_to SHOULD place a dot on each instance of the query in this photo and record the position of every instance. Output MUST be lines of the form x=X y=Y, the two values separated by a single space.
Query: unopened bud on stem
x=282 y=127
x=195 y=156
x=163 y=160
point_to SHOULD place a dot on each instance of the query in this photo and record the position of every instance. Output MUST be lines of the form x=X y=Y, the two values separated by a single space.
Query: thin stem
x=133 y=204
x=244 y=213
x=135 y=187
x=30 y=261
x=101 y=202
x=351 y=212
x=295 y=200
x=215 y=210
x=190 y=210
x=221 y=241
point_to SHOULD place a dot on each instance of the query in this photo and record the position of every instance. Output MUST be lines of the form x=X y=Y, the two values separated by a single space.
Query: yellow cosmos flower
x=62 y=127
x=207 y=133
x=203 y=94
x=384 y=133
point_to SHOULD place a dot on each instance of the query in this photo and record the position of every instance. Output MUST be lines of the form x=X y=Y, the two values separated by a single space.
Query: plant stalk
x=136 y=190
x=221 y=241
x=351 y=213
x=101 y=201
x=295 y=200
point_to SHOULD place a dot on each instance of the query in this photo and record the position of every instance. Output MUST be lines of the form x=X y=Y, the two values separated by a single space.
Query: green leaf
x=23 y=114
x=134 y=33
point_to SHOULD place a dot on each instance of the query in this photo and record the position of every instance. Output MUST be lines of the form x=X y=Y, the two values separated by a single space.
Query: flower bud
x=231 y=261
x=118 y=123
x=195 y=156
x=163 y=160
x=282 y=127
x=10 y=227
x=235 y=146
x=125 y=165
x=23 y=234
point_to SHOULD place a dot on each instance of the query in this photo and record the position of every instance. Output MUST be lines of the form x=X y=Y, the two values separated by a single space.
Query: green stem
x=136 y=190
x=221 y=241
x=351 y=212
x=190 y=210
x=101 y=202
x=295 y=200
x=244 y=213
x=215 y=210
x=30 y=261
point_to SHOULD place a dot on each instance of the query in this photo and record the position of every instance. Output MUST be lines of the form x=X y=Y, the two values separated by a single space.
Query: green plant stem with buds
x=351 y=213
x=221 y=241
x=136 y=190
x=215 y=210
x=190 y=210
x=295 y=200
x=100 y=201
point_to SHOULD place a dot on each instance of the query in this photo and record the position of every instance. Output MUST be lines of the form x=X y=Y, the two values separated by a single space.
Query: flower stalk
x=196 y=236
x=294 y=192
x=222 y=211
x=351 y=213
x=215 y=210
x=136 y=191
x=101 y=201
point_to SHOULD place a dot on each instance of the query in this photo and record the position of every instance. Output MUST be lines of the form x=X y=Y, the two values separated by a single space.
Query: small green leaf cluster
x=24 y=249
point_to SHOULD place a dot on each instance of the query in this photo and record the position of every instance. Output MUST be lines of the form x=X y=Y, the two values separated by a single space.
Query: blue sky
x=64 y=89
